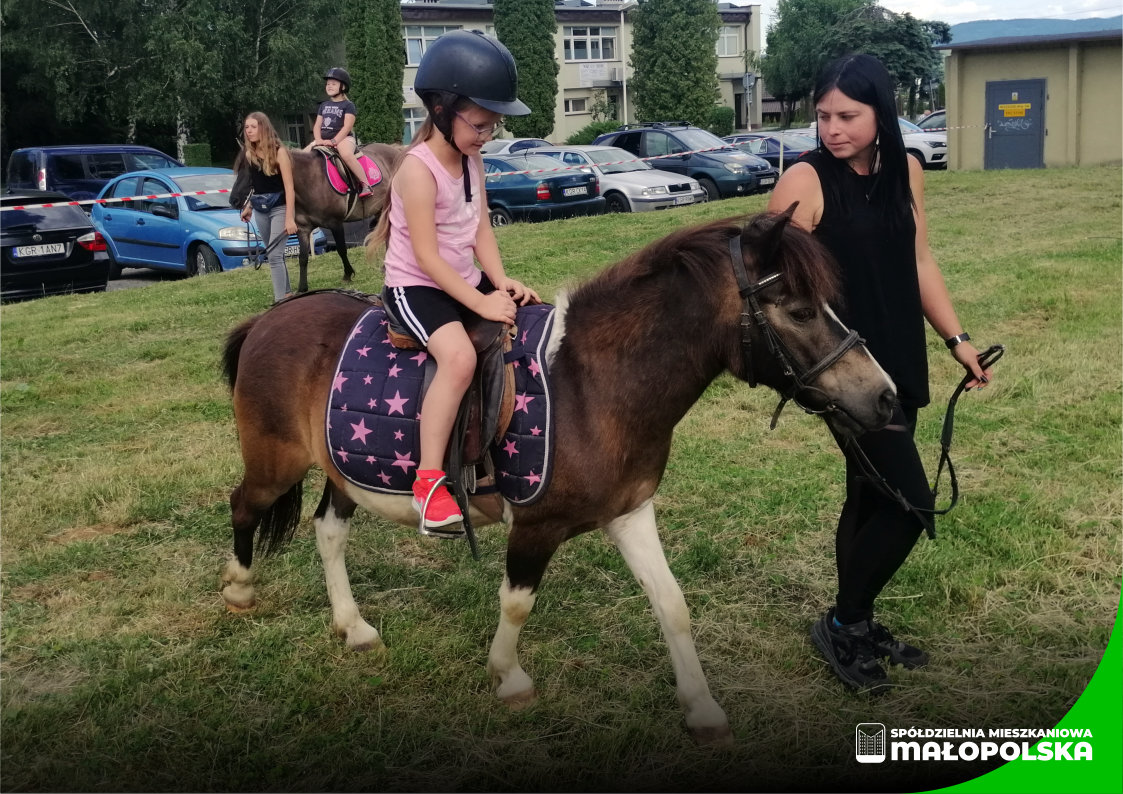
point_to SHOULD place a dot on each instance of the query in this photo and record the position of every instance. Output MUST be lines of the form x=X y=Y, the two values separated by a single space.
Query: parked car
x=538 y=197
x=773 y=146
x=511 y=145
x=190 y=234
x=627 y=183
x=48 y=251
x=723 y=171
x=937 y=120
x=931 y=148
x=80 y=171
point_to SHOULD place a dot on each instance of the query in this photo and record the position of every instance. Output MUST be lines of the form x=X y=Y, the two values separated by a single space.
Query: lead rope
x=926 y=516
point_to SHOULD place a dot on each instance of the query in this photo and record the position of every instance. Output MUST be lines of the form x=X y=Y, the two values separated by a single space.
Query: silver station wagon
x=627 y=183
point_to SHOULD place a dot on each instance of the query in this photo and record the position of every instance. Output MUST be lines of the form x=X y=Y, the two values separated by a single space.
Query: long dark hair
x=864 y=79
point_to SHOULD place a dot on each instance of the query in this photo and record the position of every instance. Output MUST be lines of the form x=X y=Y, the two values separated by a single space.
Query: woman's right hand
x=497 y=306
x=247 y=212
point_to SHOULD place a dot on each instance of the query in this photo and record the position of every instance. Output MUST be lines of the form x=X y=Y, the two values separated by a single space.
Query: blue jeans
x=271 y=225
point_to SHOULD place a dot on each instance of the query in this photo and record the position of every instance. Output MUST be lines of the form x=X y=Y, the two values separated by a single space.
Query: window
x=106 y=165
x=294 y=129
x=154 y=187
x=590 y=43
x=418 y=37
x=577 y=105
x=729 y=41
x=413 y=120
x=126 y=187
x=69 y=166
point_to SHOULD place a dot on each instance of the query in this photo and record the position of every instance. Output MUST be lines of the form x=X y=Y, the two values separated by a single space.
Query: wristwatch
x=956 y=340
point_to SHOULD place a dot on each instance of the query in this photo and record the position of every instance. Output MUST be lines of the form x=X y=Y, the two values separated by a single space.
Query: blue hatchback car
x=190 y=234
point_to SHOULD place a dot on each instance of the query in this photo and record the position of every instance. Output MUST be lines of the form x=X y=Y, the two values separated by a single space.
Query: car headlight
x=937 y=144
x=694 y=185
x=236 y=233
x=655 y=191
x=734 y=168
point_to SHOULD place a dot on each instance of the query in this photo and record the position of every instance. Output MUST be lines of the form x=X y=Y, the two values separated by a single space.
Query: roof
x=1004 y=42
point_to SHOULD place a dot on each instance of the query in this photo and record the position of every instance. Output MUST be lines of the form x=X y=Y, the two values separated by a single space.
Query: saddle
x=484 y=414
x=339 y=176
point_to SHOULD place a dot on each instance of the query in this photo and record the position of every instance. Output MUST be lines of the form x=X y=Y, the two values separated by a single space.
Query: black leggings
x=875 y=533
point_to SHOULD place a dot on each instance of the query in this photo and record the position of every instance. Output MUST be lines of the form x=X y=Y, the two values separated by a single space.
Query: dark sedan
x=542 y=194
x=771 y=146
x=50 y=250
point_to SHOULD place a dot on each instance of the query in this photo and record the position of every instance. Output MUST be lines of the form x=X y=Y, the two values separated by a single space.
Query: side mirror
x=165 y=211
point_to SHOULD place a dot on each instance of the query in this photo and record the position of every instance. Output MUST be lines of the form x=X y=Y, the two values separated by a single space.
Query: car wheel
x=203 y=261
x=499 y=217
x=710 y=187
x=919 y=156
x=615 y=202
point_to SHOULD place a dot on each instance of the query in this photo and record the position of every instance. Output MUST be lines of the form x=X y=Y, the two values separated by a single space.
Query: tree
x=674 y=55
x=527 y=28
x=795 y=49
x=376 y=60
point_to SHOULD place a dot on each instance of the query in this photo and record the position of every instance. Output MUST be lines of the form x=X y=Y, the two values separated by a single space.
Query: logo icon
x=869 y=743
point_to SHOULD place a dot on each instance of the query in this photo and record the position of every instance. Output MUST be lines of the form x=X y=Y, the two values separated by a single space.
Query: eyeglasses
x=482 y=132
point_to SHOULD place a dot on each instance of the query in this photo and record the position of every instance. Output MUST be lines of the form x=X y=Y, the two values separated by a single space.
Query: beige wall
x=1083 y=111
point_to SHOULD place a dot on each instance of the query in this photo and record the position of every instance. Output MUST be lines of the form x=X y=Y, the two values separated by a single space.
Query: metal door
x=1015 y=124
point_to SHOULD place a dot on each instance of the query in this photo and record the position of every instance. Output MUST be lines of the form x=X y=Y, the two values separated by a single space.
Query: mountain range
x=999 y=28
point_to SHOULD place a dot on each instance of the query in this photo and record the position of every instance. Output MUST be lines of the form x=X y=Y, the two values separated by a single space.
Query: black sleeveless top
x=262 y=183
x=880 y=286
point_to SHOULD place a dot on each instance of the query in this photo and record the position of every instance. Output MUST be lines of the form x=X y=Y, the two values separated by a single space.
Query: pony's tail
x=279 y=521
x=233 y=350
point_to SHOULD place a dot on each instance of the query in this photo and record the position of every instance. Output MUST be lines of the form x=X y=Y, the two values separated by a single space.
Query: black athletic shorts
x=422 y=310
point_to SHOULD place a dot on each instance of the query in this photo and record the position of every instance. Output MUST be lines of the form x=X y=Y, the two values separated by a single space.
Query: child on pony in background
x=335 y=121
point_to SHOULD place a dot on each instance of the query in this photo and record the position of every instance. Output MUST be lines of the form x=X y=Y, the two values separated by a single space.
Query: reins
x=259 y=257
x=925 y=515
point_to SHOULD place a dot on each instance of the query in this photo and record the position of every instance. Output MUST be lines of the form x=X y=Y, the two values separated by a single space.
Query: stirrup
x=448 y=531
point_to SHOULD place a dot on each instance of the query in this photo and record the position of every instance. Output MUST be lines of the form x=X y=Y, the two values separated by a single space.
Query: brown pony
x=666 y=321
x=317 y=203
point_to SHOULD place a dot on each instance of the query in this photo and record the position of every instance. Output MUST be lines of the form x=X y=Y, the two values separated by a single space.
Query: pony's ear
x=772 y=236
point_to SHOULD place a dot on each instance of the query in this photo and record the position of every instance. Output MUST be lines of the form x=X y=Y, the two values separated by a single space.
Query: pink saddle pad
x=374 y=175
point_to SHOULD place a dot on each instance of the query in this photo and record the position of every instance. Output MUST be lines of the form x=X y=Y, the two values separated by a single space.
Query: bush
x=721 y=120
x=197 y=154
x=589 y=132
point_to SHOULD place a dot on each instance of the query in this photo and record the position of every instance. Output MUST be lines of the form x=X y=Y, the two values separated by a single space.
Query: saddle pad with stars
x=373 y=430
x=523 y=456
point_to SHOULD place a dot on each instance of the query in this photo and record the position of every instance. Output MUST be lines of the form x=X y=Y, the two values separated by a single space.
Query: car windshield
x=700 y=139
x=533 y=162
x=211 y=201
x=614 y=156
x=798 y=143
x=908 y=126
x=66 y=217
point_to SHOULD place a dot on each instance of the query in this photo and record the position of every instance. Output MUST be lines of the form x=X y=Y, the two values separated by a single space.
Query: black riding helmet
x=468 y=63
x=340 y=74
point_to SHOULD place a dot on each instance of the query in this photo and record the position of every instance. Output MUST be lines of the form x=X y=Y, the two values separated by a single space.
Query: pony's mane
x=699 y=256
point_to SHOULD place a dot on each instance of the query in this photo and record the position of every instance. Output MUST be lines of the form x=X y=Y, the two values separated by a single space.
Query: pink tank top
x=457 y=223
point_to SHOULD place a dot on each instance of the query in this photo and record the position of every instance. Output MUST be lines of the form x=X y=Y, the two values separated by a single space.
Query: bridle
x=753 y=318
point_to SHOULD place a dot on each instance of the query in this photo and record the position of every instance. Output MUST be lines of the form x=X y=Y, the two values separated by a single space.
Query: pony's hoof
x=238 y=609
x=521 y=700
x=238 y=598
x=720 y=736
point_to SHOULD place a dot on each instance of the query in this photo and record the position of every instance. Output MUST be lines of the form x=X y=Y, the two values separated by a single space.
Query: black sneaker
x=895 y=651
x=851 y=653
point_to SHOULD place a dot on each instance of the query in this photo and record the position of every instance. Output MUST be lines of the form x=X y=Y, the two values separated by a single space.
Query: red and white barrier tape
x=112 y=200
x=587 y=165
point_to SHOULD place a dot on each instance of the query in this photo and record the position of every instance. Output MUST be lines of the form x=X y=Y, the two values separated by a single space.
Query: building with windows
x=592 y=46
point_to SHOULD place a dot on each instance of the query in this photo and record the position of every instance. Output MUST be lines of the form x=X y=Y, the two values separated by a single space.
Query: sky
x=955 y=11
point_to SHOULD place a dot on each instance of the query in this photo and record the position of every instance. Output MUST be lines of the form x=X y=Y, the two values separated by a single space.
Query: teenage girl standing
x=862 y=195
x=273 y=200
x=435 y=231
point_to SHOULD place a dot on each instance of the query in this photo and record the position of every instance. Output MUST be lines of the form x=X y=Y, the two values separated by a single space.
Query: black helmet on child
x=340 y=74
x=468 y=63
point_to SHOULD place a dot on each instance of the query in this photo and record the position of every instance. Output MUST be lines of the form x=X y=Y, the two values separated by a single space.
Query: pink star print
x=367 y=380
x=371 y=459
x=534 y=368
x=342 y=455
x=340 y=379
x=394 y=370
x=399 y=435
x=535 y=431
x=510 y=448
x=522 y=401
x=384 y=477
x=397 y=404
x=403 y=461
x=361 y=431
x=419 y=358
x=391 y=356
x=524 y=336
x=373 y=402
x=358 y=330
x=362 y=351
x=533 y=479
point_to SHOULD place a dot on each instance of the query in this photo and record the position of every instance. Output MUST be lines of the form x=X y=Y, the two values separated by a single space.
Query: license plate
x=684 y=199
x=292 y=250
x=41 y=250
x=575 y=191
x=768 y=180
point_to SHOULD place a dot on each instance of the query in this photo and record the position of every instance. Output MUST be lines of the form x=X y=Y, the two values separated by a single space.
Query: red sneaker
x=441 y=509
x=366 y=193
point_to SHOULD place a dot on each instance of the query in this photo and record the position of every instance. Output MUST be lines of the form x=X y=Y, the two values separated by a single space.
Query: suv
x=79 y=172
x=724 y=171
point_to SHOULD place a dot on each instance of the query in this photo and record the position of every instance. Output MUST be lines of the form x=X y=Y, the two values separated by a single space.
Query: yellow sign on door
x=1010 y=110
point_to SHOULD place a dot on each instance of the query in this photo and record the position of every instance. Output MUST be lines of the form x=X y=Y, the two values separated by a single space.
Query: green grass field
x=123 y=671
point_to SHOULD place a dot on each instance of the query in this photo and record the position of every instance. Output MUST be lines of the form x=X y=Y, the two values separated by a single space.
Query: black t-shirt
x=877 y=262
x=332 y=115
